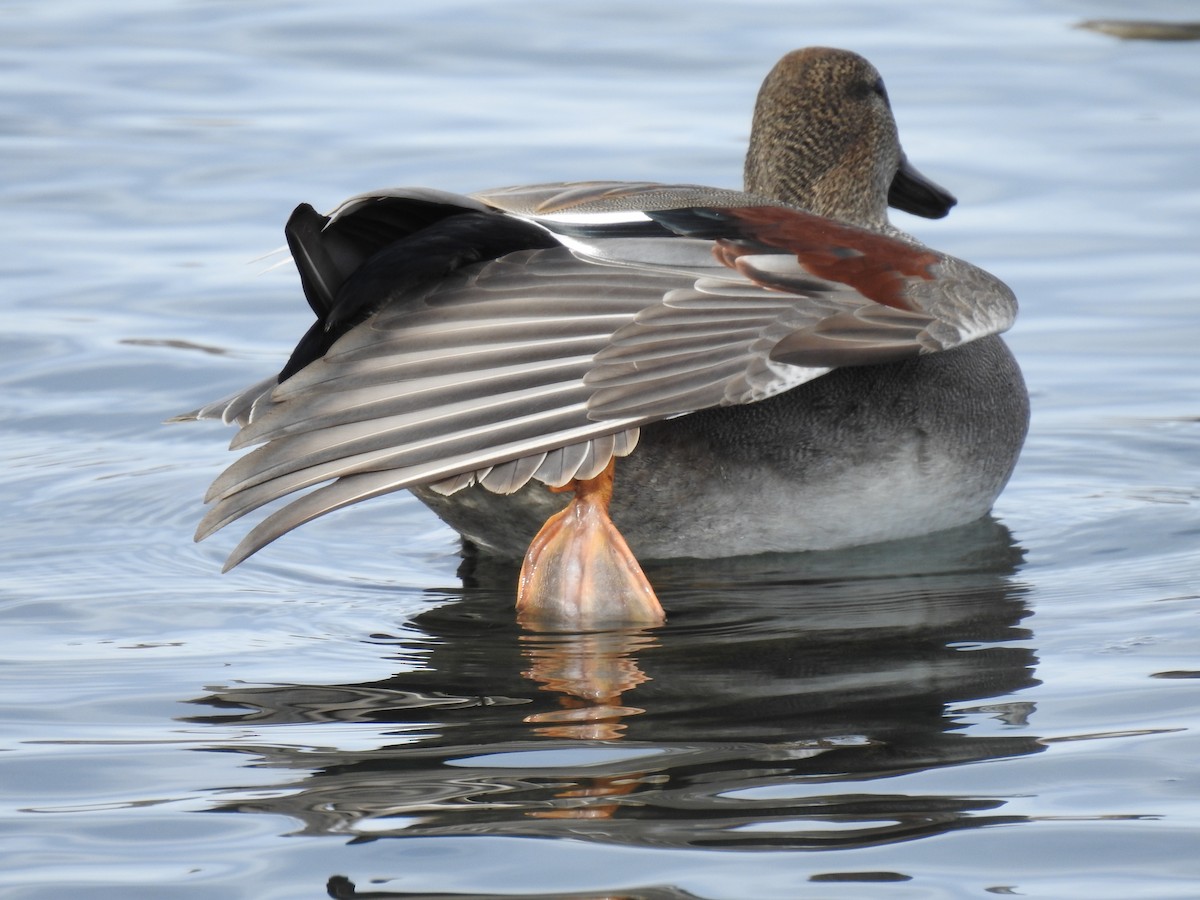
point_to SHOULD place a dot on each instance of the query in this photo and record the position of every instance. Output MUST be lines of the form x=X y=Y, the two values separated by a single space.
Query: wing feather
x=542 y=364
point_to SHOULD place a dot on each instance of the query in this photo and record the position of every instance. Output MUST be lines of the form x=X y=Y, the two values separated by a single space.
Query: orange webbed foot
x=579 y=573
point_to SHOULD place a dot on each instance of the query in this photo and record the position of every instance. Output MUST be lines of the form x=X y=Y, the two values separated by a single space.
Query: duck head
x=824 y=138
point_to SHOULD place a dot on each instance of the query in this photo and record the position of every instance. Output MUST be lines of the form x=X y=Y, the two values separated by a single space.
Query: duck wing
x=526 y=333
x=815 y=294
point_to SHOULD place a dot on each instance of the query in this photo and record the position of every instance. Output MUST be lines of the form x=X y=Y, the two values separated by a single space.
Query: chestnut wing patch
x=812 y=295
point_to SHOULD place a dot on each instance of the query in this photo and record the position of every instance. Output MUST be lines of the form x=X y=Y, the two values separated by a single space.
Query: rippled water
x=1009 y=709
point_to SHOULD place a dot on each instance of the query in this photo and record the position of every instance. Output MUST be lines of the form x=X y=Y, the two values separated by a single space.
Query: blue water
x=1009 y=710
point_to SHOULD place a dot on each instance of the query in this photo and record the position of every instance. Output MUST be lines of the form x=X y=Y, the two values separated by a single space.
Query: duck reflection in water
x=782 y=687
x=779 y=369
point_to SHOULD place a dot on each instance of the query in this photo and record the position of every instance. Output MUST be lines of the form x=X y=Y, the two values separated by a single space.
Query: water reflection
x=763 y=715
x=588 y=674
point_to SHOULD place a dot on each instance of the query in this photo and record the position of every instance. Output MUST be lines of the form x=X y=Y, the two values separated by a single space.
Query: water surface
x=1010 y=709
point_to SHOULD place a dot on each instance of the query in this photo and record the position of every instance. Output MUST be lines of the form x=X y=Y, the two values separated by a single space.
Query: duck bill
x=913 y=193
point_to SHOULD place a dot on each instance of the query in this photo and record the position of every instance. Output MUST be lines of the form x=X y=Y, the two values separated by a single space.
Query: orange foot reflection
x=590 y=672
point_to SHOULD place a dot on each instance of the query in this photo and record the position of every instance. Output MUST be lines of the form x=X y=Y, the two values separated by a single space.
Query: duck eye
x=879 y=89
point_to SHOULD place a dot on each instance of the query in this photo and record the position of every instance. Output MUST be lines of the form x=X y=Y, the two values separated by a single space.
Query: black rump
x=382 y=251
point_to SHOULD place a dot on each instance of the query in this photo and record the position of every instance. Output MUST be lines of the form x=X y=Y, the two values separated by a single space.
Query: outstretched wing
x=635 y=303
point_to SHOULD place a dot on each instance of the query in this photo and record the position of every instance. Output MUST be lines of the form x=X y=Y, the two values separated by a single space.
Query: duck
x=586 y=375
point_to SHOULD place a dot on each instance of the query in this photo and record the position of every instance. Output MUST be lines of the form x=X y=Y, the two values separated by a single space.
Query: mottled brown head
x=824 y=139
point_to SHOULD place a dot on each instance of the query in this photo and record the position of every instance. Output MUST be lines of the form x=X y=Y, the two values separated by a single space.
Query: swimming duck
x=777 y=369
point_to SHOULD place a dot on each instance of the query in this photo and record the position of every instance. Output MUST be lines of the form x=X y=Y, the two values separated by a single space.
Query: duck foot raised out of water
x=579 y=572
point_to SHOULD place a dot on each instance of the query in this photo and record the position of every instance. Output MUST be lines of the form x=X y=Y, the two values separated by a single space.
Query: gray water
x=1009 y=709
